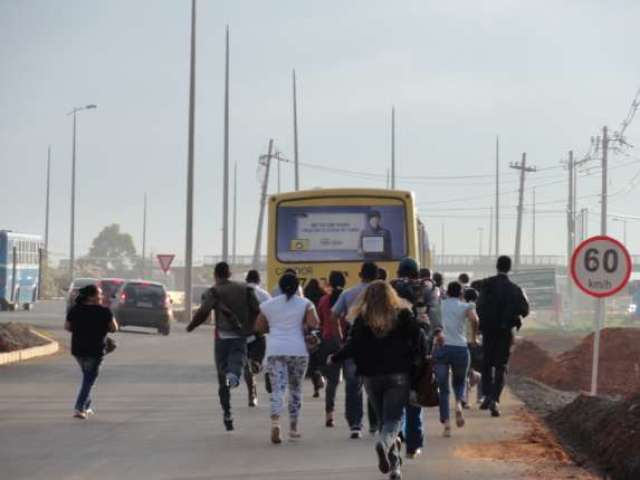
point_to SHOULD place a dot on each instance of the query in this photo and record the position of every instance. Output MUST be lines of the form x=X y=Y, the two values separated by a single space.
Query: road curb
x=32 y=352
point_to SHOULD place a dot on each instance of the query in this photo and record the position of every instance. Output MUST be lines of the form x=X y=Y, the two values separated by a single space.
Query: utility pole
x=442 y=240
x=490 y=232
x=522 y=166
x=605 y=176
x=235 y=212
x=571 y=233
x=601 y=312
x=144 y=239
x=188 y=255
x=533 y=227
x=623 y=221
x=571 y=209
x=295 y=134
x=279 y=188
x=584 y=220
x=47 y=207
x=266 y=161
x=225 y=187
x=393 y=148
x=497 y=196
x=480 y=232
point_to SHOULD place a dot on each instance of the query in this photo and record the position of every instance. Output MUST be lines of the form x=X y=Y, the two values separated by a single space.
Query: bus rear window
x=341 y=233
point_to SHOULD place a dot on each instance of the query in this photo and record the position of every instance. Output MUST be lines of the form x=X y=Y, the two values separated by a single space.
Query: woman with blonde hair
x=385 y=343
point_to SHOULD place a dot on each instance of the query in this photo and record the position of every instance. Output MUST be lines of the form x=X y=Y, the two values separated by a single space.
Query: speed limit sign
x=601 y=266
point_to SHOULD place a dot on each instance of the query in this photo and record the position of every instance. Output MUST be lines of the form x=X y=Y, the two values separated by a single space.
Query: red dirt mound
x=608 y=431
x=619 y=371
x=528 y=358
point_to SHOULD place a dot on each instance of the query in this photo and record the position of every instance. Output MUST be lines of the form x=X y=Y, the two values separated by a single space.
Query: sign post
x=600 y=267
x=165 y=261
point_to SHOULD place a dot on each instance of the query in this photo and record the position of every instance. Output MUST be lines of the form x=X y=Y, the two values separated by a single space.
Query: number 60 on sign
x=601 y=266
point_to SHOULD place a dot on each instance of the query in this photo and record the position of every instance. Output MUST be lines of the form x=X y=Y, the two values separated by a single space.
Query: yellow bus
x=317 y=231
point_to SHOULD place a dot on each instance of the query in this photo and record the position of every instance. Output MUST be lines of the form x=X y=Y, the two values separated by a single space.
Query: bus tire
x=164 y=329
x=27 y=307
x=12 y=307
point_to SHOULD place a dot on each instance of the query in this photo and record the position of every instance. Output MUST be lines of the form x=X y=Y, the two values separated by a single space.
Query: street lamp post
x=72 y=250
x=480 y=232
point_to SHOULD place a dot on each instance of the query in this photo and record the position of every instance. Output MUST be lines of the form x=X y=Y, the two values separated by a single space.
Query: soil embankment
x=597 y=430
x=17 y=336
x=619 y=372
x=607 y=430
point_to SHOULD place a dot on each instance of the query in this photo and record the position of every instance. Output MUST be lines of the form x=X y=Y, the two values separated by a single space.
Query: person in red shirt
x=332 y=335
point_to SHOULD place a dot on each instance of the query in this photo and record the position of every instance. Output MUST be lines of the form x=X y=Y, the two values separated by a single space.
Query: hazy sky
x=545 y=76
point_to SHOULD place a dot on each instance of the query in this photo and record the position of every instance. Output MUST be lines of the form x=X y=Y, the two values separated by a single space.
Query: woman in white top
x=286 y=317
x=452 y=353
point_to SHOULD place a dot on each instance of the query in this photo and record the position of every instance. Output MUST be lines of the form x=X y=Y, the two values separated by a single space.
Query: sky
x=544 y=76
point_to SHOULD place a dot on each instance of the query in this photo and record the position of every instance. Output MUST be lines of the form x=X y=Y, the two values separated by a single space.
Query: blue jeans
x=413 y=428
x=353 y=400
x=457 y=359
x=389 y=395
x=230 y=356
x=90 y=367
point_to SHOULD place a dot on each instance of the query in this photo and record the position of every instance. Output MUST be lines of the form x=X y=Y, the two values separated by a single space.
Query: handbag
x=424 y=386
x=312 y=340
x=109 y=345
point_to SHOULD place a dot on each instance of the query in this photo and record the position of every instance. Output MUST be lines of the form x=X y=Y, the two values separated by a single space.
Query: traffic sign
x=601 y=266
x=165 y=261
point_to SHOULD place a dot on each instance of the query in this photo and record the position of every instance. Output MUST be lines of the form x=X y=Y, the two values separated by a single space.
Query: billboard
x=341 y=233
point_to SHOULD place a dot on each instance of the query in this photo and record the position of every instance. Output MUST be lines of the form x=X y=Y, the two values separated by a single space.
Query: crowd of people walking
x=379 y=336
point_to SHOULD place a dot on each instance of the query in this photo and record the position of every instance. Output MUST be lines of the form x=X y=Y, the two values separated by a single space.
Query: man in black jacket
x=501 y=307
x=236 y=307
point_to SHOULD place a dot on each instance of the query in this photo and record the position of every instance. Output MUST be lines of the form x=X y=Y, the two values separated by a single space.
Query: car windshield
x=110 y=287
x=144 y=295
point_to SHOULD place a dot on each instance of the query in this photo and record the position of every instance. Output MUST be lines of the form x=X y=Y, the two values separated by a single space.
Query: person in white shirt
x=253 y=280
x=452 y=353
x=256 y=344
x=286 y=318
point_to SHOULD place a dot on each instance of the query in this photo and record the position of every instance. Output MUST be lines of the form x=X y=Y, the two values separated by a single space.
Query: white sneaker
x=80 y=414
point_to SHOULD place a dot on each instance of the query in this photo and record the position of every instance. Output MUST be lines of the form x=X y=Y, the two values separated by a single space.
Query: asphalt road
x=158 y=418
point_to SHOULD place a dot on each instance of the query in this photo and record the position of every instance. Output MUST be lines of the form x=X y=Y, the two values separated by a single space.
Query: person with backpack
x=287 y=318
x=384 y=342
x=424 y=299
x=354 y=410
x=501 y=307
x=89 y=322
x=236 y=307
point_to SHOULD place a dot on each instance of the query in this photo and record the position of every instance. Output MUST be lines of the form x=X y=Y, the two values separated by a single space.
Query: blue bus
x=19 y=269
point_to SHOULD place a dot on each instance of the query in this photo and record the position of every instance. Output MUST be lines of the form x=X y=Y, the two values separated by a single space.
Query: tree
x=113 y=250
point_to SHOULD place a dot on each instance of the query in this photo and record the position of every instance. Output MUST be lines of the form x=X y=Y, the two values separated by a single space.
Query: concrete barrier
x=32 y=352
